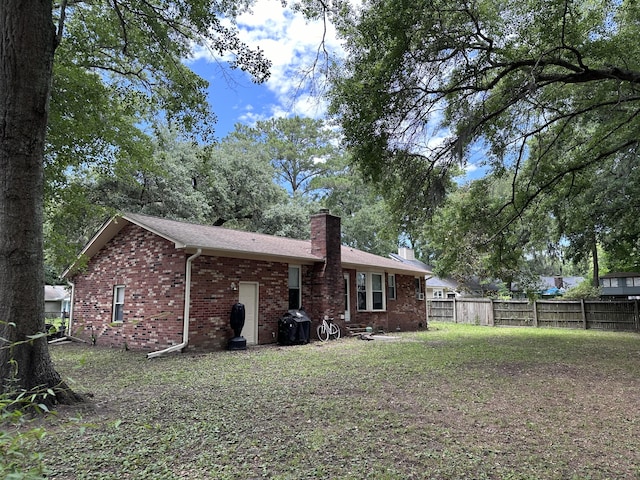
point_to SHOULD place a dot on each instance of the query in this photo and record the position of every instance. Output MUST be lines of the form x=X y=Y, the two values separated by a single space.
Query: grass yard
x=454 y=402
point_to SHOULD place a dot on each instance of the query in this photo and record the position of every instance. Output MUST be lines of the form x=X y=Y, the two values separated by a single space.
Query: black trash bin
x=294 y=328
x=238 y=342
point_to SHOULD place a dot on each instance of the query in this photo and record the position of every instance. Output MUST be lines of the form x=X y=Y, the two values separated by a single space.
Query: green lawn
x=453 y=402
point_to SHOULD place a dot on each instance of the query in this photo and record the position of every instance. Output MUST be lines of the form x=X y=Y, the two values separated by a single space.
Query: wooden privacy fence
x=595 y=314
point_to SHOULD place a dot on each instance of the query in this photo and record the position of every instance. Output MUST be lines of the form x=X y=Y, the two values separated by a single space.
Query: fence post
x=584 y=314
x=636 y=320
x=535 y=313
x=427 y=306
x=490 y=319
x=455 y=312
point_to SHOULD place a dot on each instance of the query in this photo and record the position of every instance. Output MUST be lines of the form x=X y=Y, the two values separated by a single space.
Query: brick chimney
x=327 y=279
x=325 y=234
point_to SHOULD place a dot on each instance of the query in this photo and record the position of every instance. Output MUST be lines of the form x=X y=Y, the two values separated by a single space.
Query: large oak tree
x=27 y=43
x=130 y=49
x=539 y=90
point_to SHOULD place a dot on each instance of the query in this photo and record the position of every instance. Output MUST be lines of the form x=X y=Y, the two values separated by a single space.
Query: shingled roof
x=239 y=244
x=223 y=240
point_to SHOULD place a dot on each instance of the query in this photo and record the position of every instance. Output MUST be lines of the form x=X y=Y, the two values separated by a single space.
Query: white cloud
x=250 y=118
x=291 y=43
x=471 y=167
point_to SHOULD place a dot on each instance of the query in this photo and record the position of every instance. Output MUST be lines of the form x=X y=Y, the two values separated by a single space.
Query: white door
x=248 y=295
x=347 y=299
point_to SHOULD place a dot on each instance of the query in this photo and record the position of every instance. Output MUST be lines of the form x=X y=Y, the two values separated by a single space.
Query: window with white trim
x=634 y=282
x=295 y=292
x=361 y=281
x=371 y=294
x=418 y=286
x=438 y=293
x=118 y=304
x=610 y=282
x=391 y=286
x=377 y=291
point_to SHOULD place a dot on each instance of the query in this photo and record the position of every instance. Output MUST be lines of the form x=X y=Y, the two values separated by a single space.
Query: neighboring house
x=438 y=287
x=622 y=285
x=157 y=284
x=435 y=287
x=558 y=285
x=441 y=287
x=474 y=287
x=550 y=287
x=56 y=301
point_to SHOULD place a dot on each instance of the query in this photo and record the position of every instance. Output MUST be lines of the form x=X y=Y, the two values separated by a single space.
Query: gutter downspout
x=187 y=302
x=426 y=301
x=71 y=302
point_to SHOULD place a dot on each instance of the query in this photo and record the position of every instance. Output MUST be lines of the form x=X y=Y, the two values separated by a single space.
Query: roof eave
x=229 y=253
x=108 y=230
x=386 y=268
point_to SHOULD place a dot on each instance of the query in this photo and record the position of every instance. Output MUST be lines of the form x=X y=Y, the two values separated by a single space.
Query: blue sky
x=290 y=43
x=235 y=100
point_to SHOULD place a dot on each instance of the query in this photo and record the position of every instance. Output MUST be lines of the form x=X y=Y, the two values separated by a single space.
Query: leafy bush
x=19 y=453
x=19 y=456
x=584 y=290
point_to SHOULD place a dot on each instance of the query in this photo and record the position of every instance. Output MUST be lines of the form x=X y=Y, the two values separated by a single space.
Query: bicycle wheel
x=334 y=331
x=323 y=332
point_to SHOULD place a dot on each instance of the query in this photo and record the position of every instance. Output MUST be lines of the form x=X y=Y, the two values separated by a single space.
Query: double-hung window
x=377 y=291
x=362 y=291
x=371 y=291
x=391 y=286
x=118 y=303
x=294 y=287
x=419 y=292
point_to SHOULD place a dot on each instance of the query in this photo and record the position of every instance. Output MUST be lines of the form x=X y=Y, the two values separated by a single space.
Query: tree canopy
x=544 y=93
x=106 y=71
x=297 y=147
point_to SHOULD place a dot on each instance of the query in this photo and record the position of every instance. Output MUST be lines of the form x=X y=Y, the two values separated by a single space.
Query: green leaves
x=297 y=147
x=20 y=457
x=505 y=75
x=119 y=73
x=541 y=91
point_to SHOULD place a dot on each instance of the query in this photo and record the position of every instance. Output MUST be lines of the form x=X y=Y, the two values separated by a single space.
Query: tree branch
x=123 y=26
x=61 y=20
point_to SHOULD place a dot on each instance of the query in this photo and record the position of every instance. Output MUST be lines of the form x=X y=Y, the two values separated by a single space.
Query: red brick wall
x=152 y=272
x=327 y=284
x=406 y=312
x=212 y=298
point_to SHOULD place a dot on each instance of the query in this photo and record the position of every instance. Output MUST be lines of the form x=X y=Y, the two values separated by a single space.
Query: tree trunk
x=27 y=44
x=596 y=268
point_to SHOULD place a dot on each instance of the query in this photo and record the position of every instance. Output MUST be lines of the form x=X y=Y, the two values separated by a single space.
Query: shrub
x=19 y=455
x=584 y=290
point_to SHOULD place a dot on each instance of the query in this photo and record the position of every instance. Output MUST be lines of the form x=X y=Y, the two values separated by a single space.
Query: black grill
x=294 y=328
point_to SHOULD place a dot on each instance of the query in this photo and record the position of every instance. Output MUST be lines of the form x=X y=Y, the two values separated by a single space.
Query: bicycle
x=328 y=330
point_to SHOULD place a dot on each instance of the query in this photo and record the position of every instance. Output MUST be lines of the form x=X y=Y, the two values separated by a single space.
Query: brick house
x=162 y=285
